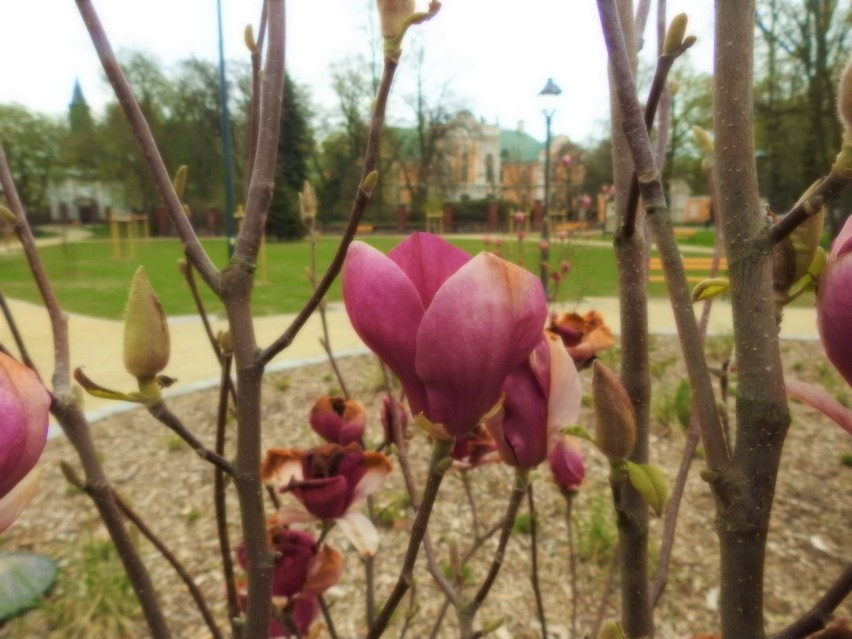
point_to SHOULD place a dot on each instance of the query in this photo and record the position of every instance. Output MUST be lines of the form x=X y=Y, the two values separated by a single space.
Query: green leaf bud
x=844 y=97
x=179 y=180
x=675 y=34
x=248 y=35
x=7 y=215
x=611 y=630
x=370 y=181
x=146 y=334
x=615 y=420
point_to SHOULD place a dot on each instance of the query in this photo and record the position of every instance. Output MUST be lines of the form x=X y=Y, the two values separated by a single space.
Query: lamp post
x=548 y=93
x=230 y=225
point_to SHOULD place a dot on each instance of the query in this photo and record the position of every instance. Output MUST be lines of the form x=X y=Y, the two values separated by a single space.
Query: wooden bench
x=365 y=228
x=697 y=268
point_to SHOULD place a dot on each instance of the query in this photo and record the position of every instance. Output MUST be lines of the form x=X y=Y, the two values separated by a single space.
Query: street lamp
x=549 y=94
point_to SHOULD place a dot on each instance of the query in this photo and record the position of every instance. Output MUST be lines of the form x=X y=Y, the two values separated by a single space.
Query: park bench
x=365 y=228
x=697 y=268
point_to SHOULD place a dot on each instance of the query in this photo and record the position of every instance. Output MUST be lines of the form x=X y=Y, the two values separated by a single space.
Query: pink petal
x=360 y=531
x=817 y=397
x=280 y=466
x=843 y=242
x=325 y=498
x=13 y=503
x=428 y=261
x=834 y=314
x=566 y=462
x=519 y=428
x=385 y=309
x=378 y=468
x=565 y=390
x=24 y=412
x=482 y=324
x=295 y=514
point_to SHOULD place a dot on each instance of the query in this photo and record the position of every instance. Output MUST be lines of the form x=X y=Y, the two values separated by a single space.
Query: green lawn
x=88 y=280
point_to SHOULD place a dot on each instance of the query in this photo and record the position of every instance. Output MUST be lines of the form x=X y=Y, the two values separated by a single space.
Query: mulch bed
x=171 y=488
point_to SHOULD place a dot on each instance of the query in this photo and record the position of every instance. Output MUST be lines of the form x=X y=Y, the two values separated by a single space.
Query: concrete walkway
x=97 y=344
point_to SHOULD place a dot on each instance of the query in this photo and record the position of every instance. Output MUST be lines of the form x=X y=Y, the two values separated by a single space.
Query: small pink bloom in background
x=543 y=244
x=338 y=420
x=541 y=397
x=586 y=201
x=565 y=267
x=556 y=276
x=834 y=303
x=566 y=463
x=329 y=482
x=302 y=572
x=562 y=235
x=583 y=335
x=566 y=160
x=519 y=217
x=474 y=448
x=24 y=410
x=450 y=327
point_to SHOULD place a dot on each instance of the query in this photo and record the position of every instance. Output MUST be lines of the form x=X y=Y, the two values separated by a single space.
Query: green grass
x=89 y=280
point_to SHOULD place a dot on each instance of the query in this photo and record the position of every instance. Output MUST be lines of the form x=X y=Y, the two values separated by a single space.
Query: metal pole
x=230 y=227
x=545 y=217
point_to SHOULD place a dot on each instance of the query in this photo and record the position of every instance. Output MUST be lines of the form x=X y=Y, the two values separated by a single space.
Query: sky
x=490 y=56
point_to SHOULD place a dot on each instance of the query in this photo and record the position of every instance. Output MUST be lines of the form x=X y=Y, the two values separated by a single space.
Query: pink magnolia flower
x=24 y=408
x=338 y=420
x=302 y=572
x=473 y=449
x=566 y=463
x=519 y=217
x=834 y=303
x=451 y=327
x=583 y=335
x=541 y=397
x=328 y=482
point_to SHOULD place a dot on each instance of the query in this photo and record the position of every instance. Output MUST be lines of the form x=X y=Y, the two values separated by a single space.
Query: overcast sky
x=493 y=56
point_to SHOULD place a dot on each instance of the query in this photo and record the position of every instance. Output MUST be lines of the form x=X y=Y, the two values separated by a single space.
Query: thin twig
x=73 y=422
x=539 y=602
x=329 y=620
x=440 y=449
x=572 y=560
x=362 y=198
x=16 y=335
x=828 y=188
x=609 y=586
x=411 y=612
x=220 y=504
x=149 y=534
x=468 y=491
x=161 y=413
x=369 y=570
x=652 y=193
x=518 y=491
x=145 y=139
x=818 y=617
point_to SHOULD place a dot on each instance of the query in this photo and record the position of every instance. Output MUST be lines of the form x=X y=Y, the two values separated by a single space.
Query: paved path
x=97 y=344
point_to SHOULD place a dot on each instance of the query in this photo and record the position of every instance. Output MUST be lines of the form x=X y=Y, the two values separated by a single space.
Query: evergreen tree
x=295 y=145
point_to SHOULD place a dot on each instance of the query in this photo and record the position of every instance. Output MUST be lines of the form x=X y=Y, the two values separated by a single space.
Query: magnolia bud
x=370 y=181
x=615 y=421
x=675 y=33
x=179 y=180
x=705 y=142
x=393 y=14
x=806 y=237
x=248 y=36
x=611 y=630
x=146 y=335
x=7 y=215
x=308 y=203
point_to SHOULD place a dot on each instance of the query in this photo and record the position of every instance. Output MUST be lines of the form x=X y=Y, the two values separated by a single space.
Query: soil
x=171 y=488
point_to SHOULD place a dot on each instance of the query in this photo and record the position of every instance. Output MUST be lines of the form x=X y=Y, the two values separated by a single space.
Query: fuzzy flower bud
x=393 y=14
x=615 y=421
x=566 y=463
x=146 y=334
x=675 y=34
x=308 y=203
